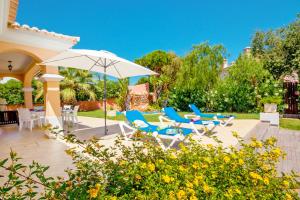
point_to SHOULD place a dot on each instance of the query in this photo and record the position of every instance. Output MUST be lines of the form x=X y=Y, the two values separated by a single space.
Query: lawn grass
x=292 y=124
x=154 y=117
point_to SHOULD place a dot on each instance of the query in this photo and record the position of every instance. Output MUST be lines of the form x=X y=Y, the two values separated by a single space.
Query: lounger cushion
x=137 y=120
x=198 y=112
x=172 y=114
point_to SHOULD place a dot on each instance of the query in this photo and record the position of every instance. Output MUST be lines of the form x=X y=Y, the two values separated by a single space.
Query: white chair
x=67 y=107
x=25 y=117
x=65 y=112
x=74 y=114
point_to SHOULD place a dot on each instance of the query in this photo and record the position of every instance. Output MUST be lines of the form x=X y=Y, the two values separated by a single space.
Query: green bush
x=12 y=92
x=243 y=88
x=145 y=171
x=271 y=99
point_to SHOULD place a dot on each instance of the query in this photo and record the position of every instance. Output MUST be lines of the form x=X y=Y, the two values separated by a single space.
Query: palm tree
x=77 y=85
x=39 y=90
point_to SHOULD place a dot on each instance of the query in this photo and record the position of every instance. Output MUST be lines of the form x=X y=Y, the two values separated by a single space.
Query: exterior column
x=52 y=96
x=28 y=97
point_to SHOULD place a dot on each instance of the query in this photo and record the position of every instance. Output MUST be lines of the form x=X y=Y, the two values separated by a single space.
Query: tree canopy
x=279 y=49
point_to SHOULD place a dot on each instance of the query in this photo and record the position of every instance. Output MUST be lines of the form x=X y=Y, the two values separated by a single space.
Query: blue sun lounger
x=138 y=122
x=172 y=116
x=224 y=119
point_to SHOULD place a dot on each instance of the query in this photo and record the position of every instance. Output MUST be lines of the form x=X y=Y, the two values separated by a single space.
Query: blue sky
x=133 y=28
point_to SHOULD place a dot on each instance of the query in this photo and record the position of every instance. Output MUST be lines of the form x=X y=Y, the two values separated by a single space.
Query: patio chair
x=224 y=119
x=67 y=107
x=172 y=116
x=25 y=117
x=75 y=114
x=138 y=122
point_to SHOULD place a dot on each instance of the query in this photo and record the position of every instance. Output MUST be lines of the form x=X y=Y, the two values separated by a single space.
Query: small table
x=39 y=114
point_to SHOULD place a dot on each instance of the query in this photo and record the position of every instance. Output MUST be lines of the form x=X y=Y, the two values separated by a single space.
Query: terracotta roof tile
x=25 y=27
x=13 y=8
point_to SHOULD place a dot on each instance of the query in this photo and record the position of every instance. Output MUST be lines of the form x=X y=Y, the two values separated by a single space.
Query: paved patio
x=36 y=146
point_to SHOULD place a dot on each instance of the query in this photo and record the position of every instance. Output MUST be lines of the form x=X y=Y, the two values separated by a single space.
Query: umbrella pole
x=104 y=100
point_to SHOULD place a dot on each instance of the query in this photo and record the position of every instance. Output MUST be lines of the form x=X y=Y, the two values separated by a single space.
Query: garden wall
x=94 y=105
x=16 y=106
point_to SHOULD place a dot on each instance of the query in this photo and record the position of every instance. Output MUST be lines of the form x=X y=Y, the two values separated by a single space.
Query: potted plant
x=270 y=103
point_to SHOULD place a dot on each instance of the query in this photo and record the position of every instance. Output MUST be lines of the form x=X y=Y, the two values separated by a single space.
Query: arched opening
x=11 y=94
x=21 y=65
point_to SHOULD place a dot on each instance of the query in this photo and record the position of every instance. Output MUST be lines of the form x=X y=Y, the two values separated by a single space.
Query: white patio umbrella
x=98 y=61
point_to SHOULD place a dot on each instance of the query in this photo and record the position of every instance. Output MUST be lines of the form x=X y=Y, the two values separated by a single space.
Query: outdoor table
x=39 y=114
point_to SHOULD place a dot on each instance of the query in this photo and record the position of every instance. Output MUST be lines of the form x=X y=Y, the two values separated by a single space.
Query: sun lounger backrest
x=173 y=115
x=136 y=119
x=195 y=109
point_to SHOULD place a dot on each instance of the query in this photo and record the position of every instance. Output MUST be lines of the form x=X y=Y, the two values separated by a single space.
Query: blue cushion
x=198 y=112
x=133 y=116
x=173 y=115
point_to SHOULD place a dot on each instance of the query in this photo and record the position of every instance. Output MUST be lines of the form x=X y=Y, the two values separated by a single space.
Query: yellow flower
x=256 y=144
x=226 y=159
x=167 y=179
x=173 y=156
x=93 y=192
x=204 y=166
x=238 y=191
x=255 y=176
x=241 y=162
x=288 y=196
x=196 y=182
x=171 y=195
x=143 y=165
x=113 y=198
x=271 y=141
x=160 y=161
x=189 y=185
x=193 y=197
x=199 y=178
x=122 y=162
x=180 y=194
x=182 y=168
x=235 y=134
x=266 y=180
x=276 y=152
x=206 y=188
x=286 y=183
x=208 y=160
x=195 y=165
x=151 y=167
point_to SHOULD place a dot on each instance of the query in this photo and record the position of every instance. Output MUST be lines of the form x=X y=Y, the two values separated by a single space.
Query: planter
x=112 y=113
x=270 y=108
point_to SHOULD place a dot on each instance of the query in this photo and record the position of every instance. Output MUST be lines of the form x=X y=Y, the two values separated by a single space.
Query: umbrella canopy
x=98 y=61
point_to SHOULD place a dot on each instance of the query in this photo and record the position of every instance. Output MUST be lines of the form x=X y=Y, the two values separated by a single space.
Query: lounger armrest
x=188 y=116
x=163 y=119
x=129 y=134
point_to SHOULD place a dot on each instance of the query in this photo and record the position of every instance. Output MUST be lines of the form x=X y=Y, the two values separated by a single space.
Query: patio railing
x=9 y=117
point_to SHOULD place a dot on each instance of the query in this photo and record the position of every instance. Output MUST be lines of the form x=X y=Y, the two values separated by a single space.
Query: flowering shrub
x=145 y=171
x=244 y=87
